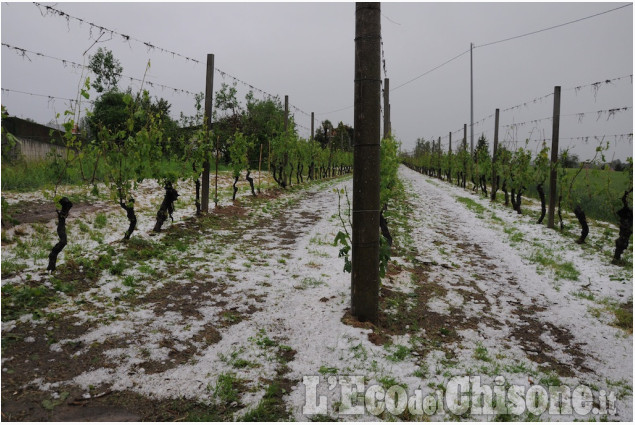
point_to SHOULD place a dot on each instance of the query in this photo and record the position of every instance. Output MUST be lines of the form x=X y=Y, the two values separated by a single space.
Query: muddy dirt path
x=220 y=317
x=519 y=313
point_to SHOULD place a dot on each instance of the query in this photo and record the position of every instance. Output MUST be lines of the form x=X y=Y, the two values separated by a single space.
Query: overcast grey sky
x=305 y=50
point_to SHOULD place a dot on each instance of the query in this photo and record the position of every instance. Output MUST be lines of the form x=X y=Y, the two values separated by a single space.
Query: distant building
x=34 y=141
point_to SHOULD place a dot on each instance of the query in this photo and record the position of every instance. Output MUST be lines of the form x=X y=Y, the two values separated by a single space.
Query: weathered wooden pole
x=312 y=124
x=209 y=93
x=216 y=179
x=471 y=102
x=465 y=162
x=259 y=167
x=439 y=158
x=387 y=128
x=365 y=238
x=553 y=176
x=286 y=113
x=283 y=175
x=450 y=157
x=494 y=152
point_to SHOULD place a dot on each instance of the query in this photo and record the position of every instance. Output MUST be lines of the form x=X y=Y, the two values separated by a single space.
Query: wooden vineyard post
x=209 y=87
x=216 y=180
x=312 y=124
x=465 y=162
x=386 y=108
x=283 y=175
x=286 y=113
x=553 y=176
x=494 y=152
x=439 y=159
x=259 y=167
x=367 y=121
x=450 y=157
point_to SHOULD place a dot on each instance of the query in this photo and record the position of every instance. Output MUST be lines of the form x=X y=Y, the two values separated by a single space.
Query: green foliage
x=238 y=151
x=271 y=408
x=225 y=388
x=388 y=167
x=343 y=239
x=542 y=166
x=22 y=299
x=520 y=170
x=107 y=70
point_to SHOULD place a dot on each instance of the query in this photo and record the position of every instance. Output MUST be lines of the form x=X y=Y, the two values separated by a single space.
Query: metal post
x=367 y=120
x=209 y=93
x=553 y=177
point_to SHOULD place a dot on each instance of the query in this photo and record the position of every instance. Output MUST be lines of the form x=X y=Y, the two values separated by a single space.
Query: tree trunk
x=132 y=217
x=167 y=206
x=197 y=202
x=543 y=205
x=484 y=185
x=235 y=188
x=626 y=229
x=251 y=182
x=61 y=232
x=583 y=223
x=519 y=200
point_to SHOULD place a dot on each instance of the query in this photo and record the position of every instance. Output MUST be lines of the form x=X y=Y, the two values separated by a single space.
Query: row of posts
x=366 y=154
x=554 y=155
x=209 y=87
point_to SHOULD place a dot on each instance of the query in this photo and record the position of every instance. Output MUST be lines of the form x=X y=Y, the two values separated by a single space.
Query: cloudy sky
x=305 y=50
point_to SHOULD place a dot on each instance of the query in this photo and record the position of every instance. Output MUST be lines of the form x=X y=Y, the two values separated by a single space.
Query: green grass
x=471 y=204
x=310 y=282
x=100 y=221
x=18 y=300
x=271 y=408
x=481 y=353
x=225 y=389
x=326 y=370
x=624 y=319
x=26 y=176
x=562 y=270
x=10 y=268
x=400 y=353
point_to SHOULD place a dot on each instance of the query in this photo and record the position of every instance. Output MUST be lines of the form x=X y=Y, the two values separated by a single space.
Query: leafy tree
x=324 y=133
x=107 y=70
x=483 y=163
x=570 y=160
x=227 y=117
x=262 y=121
x=111 y=111
x=343 y=137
